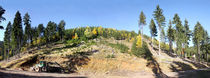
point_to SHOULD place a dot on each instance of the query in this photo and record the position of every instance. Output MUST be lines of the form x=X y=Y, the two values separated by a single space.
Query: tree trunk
x=207 y=57
x=170 y=46
x=198 y=50
x=142 y=36
x=159 y=39
x=152 y=43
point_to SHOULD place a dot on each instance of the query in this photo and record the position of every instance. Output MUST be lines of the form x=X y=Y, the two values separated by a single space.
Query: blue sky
x=119 y=14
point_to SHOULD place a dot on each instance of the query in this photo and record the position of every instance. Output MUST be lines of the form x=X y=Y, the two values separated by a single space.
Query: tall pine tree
x=198 y=37
x=27 y=23
x=61 y=28
x=160 y=19
x=170 y=35
x=7 y=40
x=153 y=30
x=17 y=33
x=142 y=23
x=1 y=13
x=179 y=34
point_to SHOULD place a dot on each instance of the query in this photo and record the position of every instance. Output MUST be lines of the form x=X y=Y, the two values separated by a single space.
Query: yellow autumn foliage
x=139 y=42
x=75 y=36
x=94 y=31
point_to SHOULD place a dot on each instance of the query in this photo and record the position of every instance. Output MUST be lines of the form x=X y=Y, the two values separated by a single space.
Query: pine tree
x=179 y=34
x=1 y=13
x=7 y=39
x=50 y=31
x=34 y=32
x=170 y=35
x=187 y=35
x=61 y=28
x=17 y=33
x=40 y=30
x=28 y=31
x=142 y=22
x=205 y=45
x=160 y=19
x=153 y=30
x=198 y=37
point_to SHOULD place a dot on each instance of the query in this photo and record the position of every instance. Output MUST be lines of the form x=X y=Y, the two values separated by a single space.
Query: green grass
x=110 y=56
x=122 y=47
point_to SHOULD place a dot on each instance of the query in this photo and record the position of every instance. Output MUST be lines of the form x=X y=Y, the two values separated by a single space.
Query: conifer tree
x=187 y=33
x=160 y=19
x=153 y=30
x=170 y=35
x=40 y=30
x=7 y=40
x=17 y=33
x=28 y=31
x=198 y=37
x=142 y=22
x=179 y=34
x=1 y=13
x=61 y=28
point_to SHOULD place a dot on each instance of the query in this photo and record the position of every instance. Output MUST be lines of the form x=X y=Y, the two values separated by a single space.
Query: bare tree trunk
x=170 y=46
x=142 y=36
x=152 y=43
x=198 y=50
x=207 y=58
x=159 y=39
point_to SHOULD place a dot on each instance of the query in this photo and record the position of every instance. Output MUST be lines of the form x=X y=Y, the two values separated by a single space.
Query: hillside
x=101 y=58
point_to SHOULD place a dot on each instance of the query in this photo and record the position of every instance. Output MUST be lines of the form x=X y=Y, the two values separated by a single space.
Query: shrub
x=110 y=56
x=122 y=47
x=143 y=51
x=88 y=33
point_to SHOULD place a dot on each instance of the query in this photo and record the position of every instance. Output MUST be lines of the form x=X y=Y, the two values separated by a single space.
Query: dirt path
x=27 y=74
x=201 y=73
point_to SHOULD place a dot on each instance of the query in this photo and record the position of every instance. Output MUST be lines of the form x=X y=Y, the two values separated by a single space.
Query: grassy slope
x=97 y=63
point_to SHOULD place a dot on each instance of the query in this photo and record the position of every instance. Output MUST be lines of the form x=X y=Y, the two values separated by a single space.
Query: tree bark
x=159 y=39
x=142 y=36
x=170 y=46
x=198 y=50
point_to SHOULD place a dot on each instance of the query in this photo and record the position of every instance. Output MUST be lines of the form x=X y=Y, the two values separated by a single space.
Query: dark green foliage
x=50 y=31
x=122 y=47
x=187 y=34
x=153 y=29
x=198 y=37
x=1 y=13
x=17 y=32
x=34 y=32
x=160 y=19
x=2 y=53
x=40 y=30
x=7 y=39
x=28 y=31
x=179 y=36
x=171 y=35
x=61 y=28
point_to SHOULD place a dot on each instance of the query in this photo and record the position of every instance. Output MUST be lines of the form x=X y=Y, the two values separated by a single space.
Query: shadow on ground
x=78 y=59
x=197 y=65
x=203 y=73
x=179 y=66
x=153 y=64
